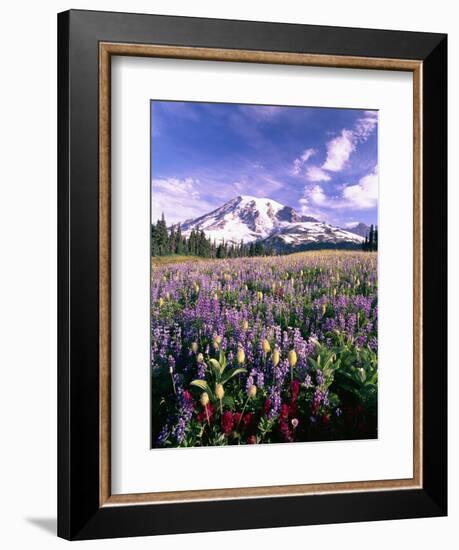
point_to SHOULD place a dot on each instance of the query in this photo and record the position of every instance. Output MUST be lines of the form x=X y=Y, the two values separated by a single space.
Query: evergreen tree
x=165 y=241
x=162 y=236
x=179 y=241
x=258 y=249
x=371 y=238
x=172 y=241
x=365 y=244
x=154 y=240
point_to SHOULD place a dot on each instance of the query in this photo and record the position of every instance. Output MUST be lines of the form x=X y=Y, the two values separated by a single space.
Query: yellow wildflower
x=292 y=358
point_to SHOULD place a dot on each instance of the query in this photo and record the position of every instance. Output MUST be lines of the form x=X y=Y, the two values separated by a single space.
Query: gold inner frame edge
x=106 y=51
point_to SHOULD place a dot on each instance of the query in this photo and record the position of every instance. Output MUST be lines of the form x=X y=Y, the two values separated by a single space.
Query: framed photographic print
x=252 y=275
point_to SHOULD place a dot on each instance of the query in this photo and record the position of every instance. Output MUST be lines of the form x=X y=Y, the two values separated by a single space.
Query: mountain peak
x=249 y=218
x=358 y=228
x=246 y=199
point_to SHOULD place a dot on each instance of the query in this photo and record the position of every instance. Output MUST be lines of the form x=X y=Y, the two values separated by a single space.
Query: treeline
x=165 y=242
x=371 y=240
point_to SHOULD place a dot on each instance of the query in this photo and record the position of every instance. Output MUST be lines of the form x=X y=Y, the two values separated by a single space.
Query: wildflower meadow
x=275 y=349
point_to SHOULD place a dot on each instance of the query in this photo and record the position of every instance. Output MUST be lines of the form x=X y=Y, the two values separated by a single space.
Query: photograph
x=252 y=253
x=264 y=282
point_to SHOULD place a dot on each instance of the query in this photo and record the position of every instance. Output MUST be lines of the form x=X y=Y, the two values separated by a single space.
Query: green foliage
x=165 y=242
x=371 y=240
x=217 y=374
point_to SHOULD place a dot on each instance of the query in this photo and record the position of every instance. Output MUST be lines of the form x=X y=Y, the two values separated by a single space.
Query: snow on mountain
x=250 y=219
x=359 y=228
x=306 y=235
x=247 y=218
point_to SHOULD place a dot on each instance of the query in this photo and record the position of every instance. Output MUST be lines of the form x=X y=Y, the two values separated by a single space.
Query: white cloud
x=313 y=196
x=298 y=163
x=296 y=167
x=187 y=198
x=360 y=196
x=179 y=199
x=339 y=150
x=317 y=195
x=365 y=126
x=341 y=147
x=318 y=213
x=363 y=195
x=178 y=187
x=315 y=173
x=308 y=154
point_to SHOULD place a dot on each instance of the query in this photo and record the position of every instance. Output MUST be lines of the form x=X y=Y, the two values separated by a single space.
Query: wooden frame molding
x=106 y=51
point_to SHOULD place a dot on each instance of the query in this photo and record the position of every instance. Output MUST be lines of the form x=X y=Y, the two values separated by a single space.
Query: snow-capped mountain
x=248 y=219
x=359 y=228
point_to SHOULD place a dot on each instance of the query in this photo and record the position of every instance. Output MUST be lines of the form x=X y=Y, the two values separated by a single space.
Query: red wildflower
x=267 y=406
x=292 y=410
x=247 y=419
x=202 y=416
x=236 y=418
x=285 y=431
x=326 y=418
x=284 y=411
x=227 y=422
x=251 y=440
x=295 y=389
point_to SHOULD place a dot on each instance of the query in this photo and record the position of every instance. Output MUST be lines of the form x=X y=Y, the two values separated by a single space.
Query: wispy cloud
x=204 y=154
x=364 y=194
x=365 y=126
x=315 y=173
x=178 y=199
x=339 y=150
x=360 y=196
x=179 y=187
x=183 y=198
x=341 y=147
x=299 y=162
x=318 y=196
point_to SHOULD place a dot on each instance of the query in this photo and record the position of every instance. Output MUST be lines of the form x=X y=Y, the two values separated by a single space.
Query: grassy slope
x=176 y=258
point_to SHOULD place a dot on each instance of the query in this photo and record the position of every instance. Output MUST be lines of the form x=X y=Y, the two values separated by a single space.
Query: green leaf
x=222 y=361
x=228 y=401
x=204 y=386
x=216 y=369
x=231 y=374
x=201 y=384
x=373 y=378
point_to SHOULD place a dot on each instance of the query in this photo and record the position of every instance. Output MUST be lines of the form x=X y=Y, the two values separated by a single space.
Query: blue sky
x=321 y=161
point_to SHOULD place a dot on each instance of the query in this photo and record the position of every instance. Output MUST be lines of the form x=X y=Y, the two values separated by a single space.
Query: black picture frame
x=80 y=515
